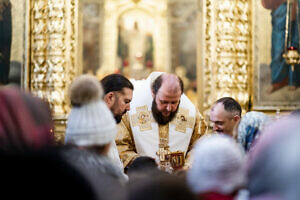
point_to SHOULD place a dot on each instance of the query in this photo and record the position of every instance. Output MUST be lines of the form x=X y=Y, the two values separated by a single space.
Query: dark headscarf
x=25 y=121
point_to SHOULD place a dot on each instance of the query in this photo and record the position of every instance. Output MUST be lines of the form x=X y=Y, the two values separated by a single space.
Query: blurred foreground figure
x=91 y=129
x=274 y=161
x=25 y=121
x=142 y=164
x=29 y=169
x=42 y=174
x=160 y=186
x=217 y=172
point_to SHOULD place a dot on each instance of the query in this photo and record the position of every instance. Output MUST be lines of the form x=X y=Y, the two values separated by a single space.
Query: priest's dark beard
x=159 y=118
x=118 y=118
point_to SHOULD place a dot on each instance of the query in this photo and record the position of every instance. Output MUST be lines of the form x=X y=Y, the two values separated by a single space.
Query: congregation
x=144 y=139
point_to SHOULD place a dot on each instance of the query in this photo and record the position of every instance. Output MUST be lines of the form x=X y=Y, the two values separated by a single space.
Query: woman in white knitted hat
x=91 y=129
x=217 y=171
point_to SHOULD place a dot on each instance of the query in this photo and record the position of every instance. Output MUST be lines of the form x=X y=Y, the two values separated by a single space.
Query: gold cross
x=183 y=120
x=142 y=118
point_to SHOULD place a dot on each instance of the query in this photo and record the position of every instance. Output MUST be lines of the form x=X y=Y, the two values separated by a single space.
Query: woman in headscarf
x=250 y=128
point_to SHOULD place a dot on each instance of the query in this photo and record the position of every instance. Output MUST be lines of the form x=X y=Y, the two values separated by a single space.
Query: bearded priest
x=162 y=123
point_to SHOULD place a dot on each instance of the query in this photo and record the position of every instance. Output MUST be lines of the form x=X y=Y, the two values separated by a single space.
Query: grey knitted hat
x=90 y=121
x=218 y=165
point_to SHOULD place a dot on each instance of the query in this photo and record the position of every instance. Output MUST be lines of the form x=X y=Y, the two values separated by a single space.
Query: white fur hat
x=90 y=122
x=218 y=165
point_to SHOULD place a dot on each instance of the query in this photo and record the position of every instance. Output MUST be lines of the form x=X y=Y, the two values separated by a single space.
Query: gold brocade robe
x=126 y=144
x=140 y=135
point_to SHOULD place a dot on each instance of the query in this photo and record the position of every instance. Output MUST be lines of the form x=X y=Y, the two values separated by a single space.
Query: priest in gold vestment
x=162 y=123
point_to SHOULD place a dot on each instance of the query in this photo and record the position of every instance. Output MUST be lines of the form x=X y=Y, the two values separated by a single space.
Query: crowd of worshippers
x=145 y=140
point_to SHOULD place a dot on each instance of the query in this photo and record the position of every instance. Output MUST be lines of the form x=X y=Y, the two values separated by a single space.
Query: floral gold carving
x=227 y=59
x=52 y=62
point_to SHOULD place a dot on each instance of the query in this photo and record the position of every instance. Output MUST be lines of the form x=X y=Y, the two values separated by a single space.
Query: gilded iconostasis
x=218 y=47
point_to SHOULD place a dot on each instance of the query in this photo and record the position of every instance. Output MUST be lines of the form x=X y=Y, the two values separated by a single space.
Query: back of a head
x=250 y=126
x=90 y=122
x=160 y=187
x=25 y=121
x=273 y=165
x=115 y=82
x=218 y=165
x=230 y=105
x=141 y=164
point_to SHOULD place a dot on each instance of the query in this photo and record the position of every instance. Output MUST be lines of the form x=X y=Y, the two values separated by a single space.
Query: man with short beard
x=162 y=121
x=117 y=96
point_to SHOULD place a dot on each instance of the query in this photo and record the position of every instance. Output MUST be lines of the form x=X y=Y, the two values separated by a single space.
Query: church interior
x=245 y=49
x=217 y=48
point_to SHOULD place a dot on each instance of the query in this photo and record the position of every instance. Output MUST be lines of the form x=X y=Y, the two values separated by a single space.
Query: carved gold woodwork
x=225 y=57
x=52 y=61
x=224 y=48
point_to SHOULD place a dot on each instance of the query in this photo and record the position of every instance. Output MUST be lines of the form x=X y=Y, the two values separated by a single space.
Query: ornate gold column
x=52 y=54
x=225 y=51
